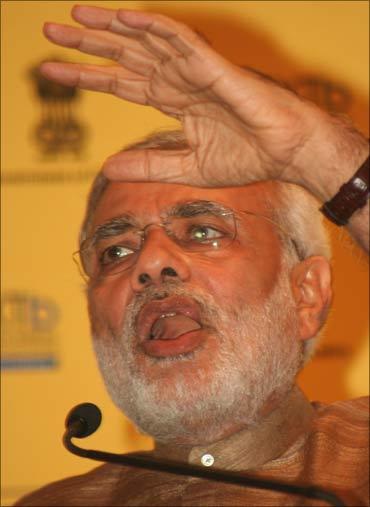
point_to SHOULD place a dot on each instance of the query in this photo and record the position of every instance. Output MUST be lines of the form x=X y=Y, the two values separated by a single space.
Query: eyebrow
x=115 y=226
x=199 y=207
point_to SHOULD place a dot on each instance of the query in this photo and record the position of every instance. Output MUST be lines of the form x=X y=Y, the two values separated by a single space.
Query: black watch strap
x=351 y=196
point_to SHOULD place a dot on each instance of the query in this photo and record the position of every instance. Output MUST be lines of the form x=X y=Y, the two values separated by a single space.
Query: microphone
x=85 y=419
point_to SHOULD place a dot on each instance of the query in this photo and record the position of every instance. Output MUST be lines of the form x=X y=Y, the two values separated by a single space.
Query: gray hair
x=298 y=212
x=294 y=210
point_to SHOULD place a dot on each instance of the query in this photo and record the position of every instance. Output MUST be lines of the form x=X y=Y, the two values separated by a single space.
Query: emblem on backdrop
x=58 y=131
x=29 y=331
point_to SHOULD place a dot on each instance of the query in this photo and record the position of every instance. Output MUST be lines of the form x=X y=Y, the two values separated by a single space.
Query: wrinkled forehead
x=149 y=201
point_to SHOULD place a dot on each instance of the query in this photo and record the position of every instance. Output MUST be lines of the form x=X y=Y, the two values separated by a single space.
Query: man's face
x=184 y=337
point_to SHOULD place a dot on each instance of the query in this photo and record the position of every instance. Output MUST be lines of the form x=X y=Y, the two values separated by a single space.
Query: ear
x=311 y=288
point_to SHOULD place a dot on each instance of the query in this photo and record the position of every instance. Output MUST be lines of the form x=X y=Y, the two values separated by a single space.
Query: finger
x=114 y=80
x=200 y=65
x=106 y=19
x=126 y=52
x=170 y=166
x=164 y=38
x=178 y=35
x=98 y=18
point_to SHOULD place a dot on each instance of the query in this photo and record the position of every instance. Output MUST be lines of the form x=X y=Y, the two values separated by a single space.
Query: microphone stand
x=75 y=429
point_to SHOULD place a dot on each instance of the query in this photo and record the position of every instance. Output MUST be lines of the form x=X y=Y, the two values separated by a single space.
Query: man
x=208 y=274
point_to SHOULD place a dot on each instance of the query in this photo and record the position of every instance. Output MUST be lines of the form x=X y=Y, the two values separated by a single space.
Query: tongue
x=170 y=328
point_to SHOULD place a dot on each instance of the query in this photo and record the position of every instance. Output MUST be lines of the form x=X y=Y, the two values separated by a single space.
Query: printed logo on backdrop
x=58 y=134
x=29 y=331
x=58 y=131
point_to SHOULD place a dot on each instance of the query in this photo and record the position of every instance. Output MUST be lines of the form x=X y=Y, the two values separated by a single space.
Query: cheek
x=246 y=277
x=107 y=302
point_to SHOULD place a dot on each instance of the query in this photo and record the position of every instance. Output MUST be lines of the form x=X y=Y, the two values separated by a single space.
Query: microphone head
x=88 y=415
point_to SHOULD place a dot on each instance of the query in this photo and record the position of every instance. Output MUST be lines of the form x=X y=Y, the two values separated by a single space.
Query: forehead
x=149 y=200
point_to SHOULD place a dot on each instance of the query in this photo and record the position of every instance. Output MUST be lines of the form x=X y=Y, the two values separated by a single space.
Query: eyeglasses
x=197 y=226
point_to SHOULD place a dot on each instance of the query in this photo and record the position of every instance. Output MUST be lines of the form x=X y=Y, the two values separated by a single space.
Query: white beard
x=258 y=356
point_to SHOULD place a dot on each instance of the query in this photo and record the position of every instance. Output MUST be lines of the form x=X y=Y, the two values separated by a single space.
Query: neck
x=279 y=429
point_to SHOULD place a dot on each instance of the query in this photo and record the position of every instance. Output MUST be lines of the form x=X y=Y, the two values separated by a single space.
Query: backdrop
x=54 y=141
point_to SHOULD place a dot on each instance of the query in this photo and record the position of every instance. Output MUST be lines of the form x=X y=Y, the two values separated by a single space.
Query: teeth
x=170 y=314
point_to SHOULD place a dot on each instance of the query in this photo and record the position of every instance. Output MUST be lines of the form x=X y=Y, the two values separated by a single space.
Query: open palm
x=239 y=125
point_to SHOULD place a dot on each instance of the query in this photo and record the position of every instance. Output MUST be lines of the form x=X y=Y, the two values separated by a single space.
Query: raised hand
x=240 y=126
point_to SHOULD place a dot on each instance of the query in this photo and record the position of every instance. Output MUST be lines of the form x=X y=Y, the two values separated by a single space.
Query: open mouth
x=169 y=326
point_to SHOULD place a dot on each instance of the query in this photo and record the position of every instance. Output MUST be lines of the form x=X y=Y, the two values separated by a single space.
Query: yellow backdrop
x=321 y=47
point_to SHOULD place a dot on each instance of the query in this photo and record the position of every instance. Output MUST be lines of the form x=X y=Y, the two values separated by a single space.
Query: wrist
x=331 y=155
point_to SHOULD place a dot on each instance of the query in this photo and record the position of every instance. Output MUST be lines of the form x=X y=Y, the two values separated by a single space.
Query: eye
x=115 y=253
x=204 y=233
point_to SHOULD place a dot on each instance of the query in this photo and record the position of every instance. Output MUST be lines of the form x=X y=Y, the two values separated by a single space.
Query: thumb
x=170 y=166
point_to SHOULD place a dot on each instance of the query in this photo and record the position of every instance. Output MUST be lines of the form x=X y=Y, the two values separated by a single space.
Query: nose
x=160 y=259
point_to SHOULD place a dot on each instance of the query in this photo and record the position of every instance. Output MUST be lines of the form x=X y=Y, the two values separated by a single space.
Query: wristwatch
x=352 y=196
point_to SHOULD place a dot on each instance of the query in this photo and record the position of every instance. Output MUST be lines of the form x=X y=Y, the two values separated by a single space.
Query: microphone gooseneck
x=85 y=418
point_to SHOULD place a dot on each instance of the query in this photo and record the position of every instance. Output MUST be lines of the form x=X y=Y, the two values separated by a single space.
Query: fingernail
x=49 y=28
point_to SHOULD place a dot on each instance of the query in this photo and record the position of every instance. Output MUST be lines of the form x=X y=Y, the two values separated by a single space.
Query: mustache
x=208 y=309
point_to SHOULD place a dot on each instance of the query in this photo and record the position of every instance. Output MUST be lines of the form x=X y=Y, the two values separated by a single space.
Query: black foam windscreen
x=88 y=415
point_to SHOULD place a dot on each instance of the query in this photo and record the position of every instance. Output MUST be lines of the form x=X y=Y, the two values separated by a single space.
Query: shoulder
x=336 y=454
x=93 y=489
x=350 y=413
x=340 y=437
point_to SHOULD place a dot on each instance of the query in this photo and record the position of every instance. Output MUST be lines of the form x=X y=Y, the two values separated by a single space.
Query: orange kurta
x=325 y=446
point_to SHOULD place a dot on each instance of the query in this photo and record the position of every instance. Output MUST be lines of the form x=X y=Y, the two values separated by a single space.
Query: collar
x=277 y=436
